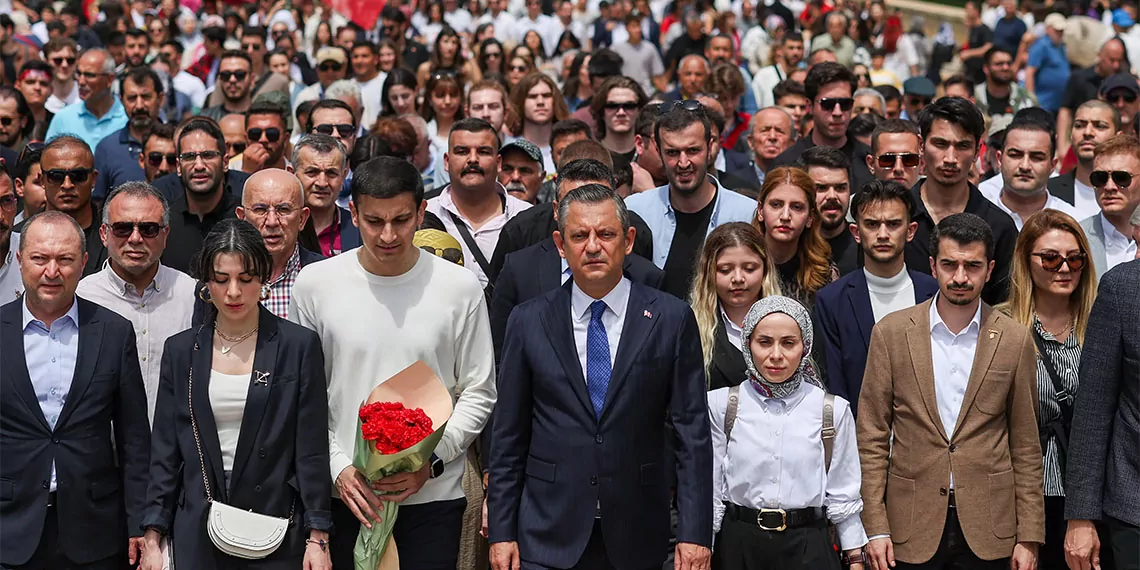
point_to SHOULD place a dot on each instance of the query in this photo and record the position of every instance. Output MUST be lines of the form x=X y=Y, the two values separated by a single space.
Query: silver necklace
x=234 y=341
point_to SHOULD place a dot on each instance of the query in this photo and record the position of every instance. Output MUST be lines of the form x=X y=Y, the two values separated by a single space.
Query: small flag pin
x=647 y=314
x=993 y=334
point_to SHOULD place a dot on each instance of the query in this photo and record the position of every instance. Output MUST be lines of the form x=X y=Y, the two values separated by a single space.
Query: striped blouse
x=1066 y=358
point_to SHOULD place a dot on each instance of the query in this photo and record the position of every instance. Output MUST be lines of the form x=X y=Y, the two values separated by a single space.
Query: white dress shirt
x=613 y=319
x=1118 y=248
x=486 y=237
x=1051 y=202
x=952 y=356
x=50 y=355
x=11 y=284
x=734 y=332
x=775 y=458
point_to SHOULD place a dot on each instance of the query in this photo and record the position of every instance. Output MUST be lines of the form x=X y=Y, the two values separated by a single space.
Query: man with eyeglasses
x=11 y=284
x=61 y=54
x=395 y=27
x=159 y=156
x=830 y=88
x=1116 y=178
x=158 y=300
x=99 y=113
x=235 y=81
x=117 y=155
x=331 y=66
x=1000 y=94
x=1122 y=91
x=266 y=137
x=68 y=175
x=896 y=152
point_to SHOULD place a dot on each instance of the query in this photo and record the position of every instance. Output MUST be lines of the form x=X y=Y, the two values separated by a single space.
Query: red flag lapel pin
x=647 y=314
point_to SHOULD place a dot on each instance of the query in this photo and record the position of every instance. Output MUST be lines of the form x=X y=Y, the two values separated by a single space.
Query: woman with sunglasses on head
x=399 y=93
x=447 y=58
x=241 y=397
x=733 y=272
x=443 y=105
x=1052 y=289
x=491 y=56
x=785 y=459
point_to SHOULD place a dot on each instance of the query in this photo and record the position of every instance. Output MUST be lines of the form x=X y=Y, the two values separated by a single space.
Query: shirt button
x=144 y=331
x=55 y=441
x=953 y=448
x=593 y=479
x=598 y=438
x=257 y=488
x=53 y=359
x=942 y=491
x=144 y=359
x=45 y=485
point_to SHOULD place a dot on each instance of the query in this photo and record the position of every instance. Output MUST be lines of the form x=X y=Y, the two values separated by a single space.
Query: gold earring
x=204 y=294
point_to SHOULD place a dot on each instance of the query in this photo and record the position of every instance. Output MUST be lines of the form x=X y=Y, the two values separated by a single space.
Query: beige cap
x=1055 y=21
x=329 y=53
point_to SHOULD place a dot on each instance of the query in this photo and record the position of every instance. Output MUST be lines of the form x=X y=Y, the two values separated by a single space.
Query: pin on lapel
x=647 y=314
x=993 y=334
x=262 y=378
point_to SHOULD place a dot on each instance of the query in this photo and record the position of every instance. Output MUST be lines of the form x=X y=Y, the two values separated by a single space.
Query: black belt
x=776 y=520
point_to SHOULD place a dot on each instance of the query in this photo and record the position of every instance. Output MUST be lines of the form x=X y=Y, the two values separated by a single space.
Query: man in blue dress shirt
x=98 y=113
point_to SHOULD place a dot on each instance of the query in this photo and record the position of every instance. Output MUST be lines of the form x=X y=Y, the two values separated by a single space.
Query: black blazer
x=743 y=181
x=728 y=368
x=734 y=160
x=282 y=455
x=553 y=460
x=100 y=444
x=1064 y=187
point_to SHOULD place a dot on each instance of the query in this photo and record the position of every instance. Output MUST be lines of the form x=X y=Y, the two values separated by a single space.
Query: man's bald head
x=274 y=202
x=271 y=179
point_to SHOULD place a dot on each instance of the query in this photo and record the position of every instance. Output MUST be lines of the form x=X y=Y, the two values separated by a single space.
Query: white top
x=1085 y=198
x=11 y=284
x=373 y=327
x=1051 y=202
x=54 y=104
x=504 y=23
x=162 y=310
x=372 y=93
x=775 y=458
x=460 y=20
x=991 y=187
x=1118 y=248
x=952 y=356
x=486 y=237
x=191 y=87
x=890 y=294
x=543 y=24
x=227 y=400
x=613 y=319
x=734 y=332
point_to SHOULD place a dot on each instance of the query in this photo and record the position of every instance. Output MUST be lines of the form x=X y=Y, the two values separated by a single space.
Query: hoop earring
x=265 y=292
x=204 y=294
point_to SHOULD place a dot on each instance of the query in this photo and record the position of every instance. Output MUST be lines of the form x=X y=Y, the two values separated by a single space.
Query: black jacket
x=282 y=457
x=728 y=367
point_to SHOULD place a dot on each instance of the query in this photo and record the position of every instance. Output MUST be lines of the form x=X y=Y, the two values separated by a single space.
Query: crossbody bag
x=1059 y=428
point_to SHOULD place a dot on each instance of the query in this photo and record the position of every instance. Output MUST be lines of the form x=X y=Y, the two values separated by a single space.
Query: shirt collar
x=72 y=313
x=936 y=319
x=115 y=110
x=123 y=288
x=663 y=195
x=615 y=300
x=291 y=267
x=1112 y=237
x=509 y=209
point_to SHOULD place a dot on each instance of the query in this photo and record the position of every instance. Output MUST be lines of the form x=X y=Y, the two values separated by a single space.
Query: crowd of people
x=732 y=285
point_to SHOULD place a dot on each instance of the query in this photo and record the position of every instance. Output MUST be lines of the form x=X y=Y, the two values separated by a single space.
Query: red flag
x=363 y=12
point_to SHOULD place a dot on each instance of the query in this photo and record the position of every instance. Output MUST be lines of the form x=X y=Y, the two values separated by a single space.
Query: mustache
x=960 y=287
x=515 y=187
x=830 y=202
x=472 y=168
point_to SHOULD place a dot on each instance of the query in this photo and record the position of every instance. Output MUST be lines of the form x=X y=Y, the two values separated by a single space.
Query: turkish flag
x=363 y=12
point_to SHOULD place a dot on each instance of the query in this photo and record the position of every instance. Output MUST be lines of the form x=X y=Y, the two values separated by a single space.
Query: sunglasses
x=330 y=66
x=206 y=156
x=228 y=75
x=272 y=134
x=918 y=101
x=62 y=60
x=345 y=130
x=888 y=160
x=493 y=54
x=155 y=158
x=1126 y=96
x=7 y=121
x=687 y=105
x=519 y=68
x=251 y=47
x=124 y=230
x=77 y=175
x=237 y=148
x=1052 y=261
x=829 y=103
x=1099 y=178
x=628 y=107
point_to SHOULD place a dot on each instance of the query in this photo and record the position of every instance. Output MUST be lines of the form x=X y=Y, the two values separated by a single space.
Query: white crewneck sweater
x=891 y=294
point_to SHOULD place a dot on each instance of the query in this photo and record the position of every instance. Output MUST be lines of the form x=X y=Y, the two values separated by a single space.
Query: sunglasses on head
x=1052 y=261
x=272 y=134
x=687 y=105
x=155 y=158
x=888 y=160
x=58 y=175
x=61 y=60
x=344 y=130
x=124 y=230
x=227 y=75
x=629 y=106
x=330 y=66
x=829 y=103
x=1126 y=96
x=1099 y=178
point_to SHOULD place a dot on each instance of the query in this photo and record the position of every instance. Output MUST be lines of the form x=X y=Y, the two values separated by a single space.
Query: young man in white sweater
x=377 y=310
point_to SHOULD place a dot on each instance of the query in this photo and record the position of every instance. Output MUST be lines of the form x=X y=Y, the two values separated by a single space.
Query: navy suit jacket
x=843 y=313
x=100 y=444
x=349 y=233
x=553 y=462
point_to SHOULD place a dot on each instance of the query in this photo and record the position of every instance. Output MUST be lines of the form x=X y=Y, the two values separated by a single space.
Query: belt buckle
x=783 y=520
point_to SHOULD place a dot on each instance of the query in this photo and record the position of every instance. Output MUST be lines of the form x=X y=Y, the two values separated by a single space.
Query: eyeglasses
x=155 y=158
x=629 y=106
x=1126 y=96
x=688 y=105
x=1099 y=178
x=330 y=66
x=62 y=60
x=237 y=148
x=272 y=134
x=1052 y=261
x=829 y=103
x=345 y=130
x=888 y=160
x=89 y=75
x=8 y=202
x=192 y=157
x=77 y=175
x=262 y=210
x=124 y=230
x=227 y=75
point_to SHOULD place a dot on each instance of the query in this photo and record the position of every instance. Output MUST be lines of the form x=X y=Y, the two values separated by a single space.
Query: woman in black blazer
x=261 y=411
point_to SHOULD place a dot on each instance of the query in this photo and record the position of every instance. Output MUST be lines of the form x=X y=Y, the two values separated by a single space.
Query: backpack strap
x=828 y=431
x=730 y=412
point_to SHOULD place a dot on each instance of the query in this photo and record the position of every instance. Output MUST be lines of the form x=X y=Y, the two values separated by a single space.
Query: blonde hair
x=1020 y=305
x=815 y=253
x=703 y=296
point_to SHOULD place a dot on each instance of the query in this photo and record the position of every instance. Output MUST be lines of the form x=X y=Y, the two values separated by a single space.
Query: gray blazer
x=1103 y=477
x=1094 y=230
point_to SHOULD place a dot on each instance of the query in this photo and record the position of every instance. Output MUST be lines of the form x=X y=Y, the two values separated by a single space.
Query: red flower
x=393 y=427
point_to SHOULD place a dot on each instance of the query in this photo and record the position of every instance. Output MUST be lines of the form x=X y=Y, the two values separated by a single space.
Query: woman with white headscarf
x=778 y=476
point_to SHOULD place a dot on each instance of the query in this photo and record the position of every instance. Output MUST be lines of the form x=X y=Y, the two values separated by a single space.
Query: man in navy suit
x=590 y=371
x=321 y=163
x=848 y=308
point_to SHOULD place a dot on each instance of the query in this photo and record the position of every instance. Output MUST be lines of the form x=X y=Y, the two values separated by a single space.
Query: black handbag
x=1057 y=429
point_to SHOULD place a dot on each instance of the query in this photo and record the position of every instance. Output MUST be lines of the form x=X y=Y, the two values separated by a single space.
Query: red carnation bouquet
x=400 y=425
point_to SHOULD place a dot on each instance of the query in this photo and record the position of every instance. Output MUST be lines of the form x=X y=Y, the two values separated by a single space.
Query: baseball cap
x=329 y=53
x=919 y=86
x=1120 y=81
x=526 y=146
x=1055 y=21
x=1121 y=18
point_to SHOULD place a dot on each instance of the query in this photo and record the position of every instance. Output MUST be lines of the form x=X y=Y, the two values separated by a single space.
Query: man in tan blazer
x=954 y=382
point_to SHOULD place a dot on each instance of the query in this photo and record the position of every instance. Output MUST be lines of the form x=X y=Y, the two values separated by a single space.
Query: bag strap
x=464 y=233
x=730 y=412
x=827 y=433
x=194 y=422
x=1064 y=398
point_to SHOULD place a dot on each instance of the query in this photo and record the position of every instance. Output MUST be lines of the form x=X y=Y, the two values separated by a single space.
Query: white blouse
x=775 y=459
x=227 y=400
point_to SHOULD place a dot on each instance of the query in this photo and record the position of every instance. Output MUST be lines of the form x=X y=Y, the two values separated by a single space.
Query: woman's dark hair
x=457 y=62
x=571 y=86
x=387 y=177
x=576 y=44
x=956 y=111
x=442 y=81
x=541 y=55
x=240 y=238
x=398 y=76
x=483 y=56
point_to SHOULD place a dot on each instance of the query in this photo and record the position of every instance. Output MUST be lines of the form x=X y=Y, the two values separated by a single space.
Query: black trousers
x=745 y=546
x=953 y=552
x=1125 y=540
x=427 y=535
x=1051 y=555
x=48 y=555
x=595 y=557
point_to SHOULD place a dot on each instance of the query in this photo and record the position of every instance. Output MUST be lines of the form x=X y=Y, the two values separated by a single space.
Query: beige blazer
x=994 y=452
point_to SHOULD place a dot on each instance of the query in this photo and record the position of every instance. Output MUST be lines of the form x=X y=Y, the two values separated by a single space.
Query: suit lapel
x=15 y=366
x=257 y=398
x=550 y=268
x=989 y=335
x=200 y=365
x=921 y=357
x=860 y=298
x=726 y=357
x=638 y=327
x=90 y=341
x=560 y=331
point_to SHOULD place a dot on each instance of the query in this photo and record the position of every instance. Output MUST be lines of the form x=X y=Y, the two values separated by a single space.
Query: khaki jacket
x=994 y=452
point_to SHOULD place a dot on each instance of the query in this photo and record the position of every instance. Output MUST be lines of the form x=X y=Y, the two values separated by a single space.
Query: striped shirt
x=1066 y=359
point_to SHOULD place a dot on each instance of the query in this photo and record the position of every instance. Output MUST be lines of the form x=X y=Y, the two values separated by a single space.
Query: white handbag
x=242 y=534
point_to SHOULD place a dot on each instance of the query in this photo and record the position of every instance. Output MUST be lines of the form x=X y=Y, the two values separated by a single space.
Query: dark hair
x=177 y=45
x=205 y=125
x=892 y=126
x=825 y=73
x=374 y=49
x=716 y=118
x=444 y=82
x=303 y=109
x=604 y=63
x=863 y=124
x=567 y=127
x=369 y=147
x=267 y=108
x=570 y=88
x=583 y=170
x=679 y=119
x=593 y=194
x=22 y=109
x=1030 y=122
x=391 y=12
x=824 y=157
x=473 y=125
x=788 y=87
x=965 y=229
x=160 y=131
x=956 y=111
x=623 y=175
x=889 y=92
x=398 y=76
x=990 y=53
x=330 y=104
x=959 y=79
x=139 y=75
x=255 y=31
x=238 y=237
x=400 y=135
x=598 y=104
x=35 y=64
x=387 y=177
x=138 y=33
x=215 y=34
x=881 y=191
x=114 y=37
x=646 y=119
x=238 y=54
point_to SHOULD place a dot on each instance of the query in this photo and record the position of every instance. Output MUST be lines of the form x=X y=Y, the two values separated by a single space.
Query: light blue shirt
x=51 y=354
x=654 y=207
x=76 y=120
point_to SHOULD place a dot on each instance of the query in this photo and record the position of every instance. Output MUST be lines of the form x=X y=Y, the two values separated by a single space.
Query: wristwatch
x=436 y=466
x=849 y=559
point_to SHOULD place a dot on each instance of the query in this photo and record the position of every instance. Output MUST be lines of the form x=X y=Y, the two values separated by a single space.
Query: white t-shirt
x=373 y=94
x=54 y=104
